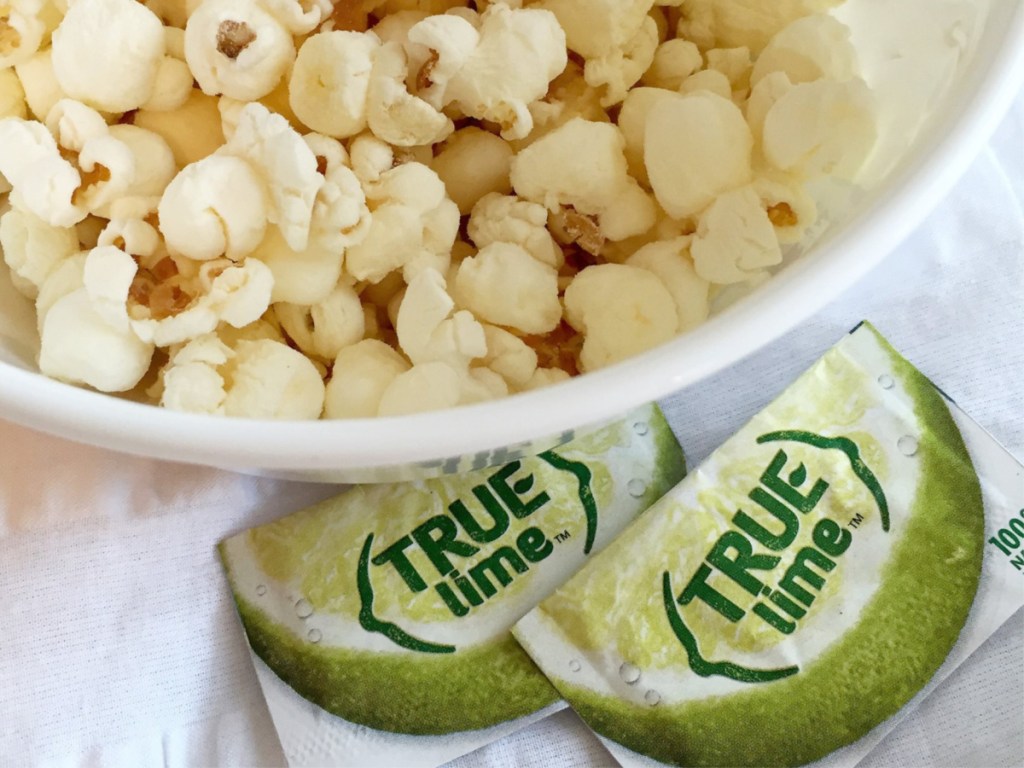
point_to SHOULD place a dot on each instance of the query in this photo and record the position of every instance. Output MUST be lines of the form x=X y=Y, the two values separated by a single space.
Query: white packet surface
x=727 y=641
x=379 y=620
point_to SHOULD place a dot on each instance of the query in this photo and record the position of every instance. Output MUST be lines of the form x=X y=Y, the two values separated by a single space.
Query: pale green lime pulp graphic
x=789 y=716
x=353 y=557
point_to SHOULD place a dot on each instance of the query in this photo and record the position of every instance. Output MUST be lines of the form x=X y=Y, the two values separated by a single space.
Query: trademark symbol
x=563 y=536
x=856 y=521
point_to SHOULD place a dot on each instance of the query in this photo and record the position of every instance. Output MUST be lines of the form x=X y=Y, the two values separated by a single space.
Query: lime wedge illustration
x=390 y=605
x=846 y=604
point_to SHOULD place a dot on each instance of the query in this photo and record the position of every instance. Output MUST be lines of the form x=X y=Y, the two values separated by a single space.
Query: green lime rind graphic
x=585 y=493
x=697 y=662
x=903 y=636
x=419 y=694
x=371 y=623
x=846 y=446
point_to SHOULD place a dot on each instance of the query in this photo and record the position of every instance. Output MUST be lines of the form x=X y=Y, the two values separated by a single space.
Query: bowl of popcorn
x=374 y=239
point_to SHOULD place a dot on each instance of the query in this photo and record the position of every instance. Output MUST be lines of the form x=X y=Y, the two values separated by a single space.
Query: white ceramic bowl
x=945 y=71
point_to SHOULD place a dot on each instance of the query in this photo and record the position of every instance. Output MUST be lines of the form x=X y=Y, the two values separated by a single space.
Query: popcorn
x=429 y=329
x=261 y=379
x=574 y=218
x=715 y=157
x=287 y=165
x=22 y=28
x=84 y=339
x=107 y=53
x=621 y=311
x=504 y=285
x=215 y=207
x=236 y=295
x=492 y=70
x=43 y=181
x=359 y=378
x=395 y=115
x=581 y=165
x=473 y=163
x=735 y=239
x=330 y=82
x=32 y=248
x=326 y=328
x=823 y=128
x=39 y=83
x=621 y=68
x=237 y=49
x=507 y=219
x=670 y=261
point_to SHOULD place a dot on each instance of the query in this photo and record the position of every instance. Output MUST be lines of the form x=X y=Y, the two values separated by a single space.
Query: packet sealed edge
x=723 y=642
x=379 y=619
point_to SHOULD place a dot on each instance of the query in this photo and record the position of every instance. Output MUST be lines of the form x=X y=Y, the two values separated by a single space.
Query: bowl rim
x=95 y=418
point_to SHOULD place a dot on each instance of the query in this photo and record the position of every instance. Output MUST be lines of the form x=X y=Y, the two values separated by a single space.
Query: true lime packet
x=380 y=618
x=792 y=594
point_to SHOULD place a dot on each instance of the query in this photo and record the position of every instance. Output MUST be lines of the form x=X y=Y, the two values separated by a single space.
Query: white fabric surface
x=118 y=641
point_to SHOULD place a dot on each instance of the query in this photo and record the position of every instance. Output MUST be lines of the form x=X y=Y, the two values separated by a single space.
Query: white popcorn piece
x=394 y=28
x=85 y=335
x=370 y=158
x=670 y=261
x=581 y=165
x=621 y=311
x=330 y=82
x=429 y=386
x=715 y=156
x=32 y=248
x=509 y=356
x=152 y=166
x=43 y=181
x=300 y=17
x=735 y=63
x=674 y=61
x=22 y=29
x=473 y=163
x=709 y=80
x=768 y=90
x=192 y=131
x=65 y=278
x=823 y=128
x=288 y=167
x=395 y=115
x=12 y=95
x=324 y=329
x=621 y=68
x=633 y=124
x=413 y=226
x=107 y=53
x=594 y=27
x=270 y=380
x=735 y=239
x=213 y=208
x=493 y=71
x=40 y=84
x=809 y=49
x=173 y=13
x=237 y=49
x=504 y=285
x=191 y=382
x=171 y=87
x=300 y=277
x=429 y=329
x=749 y=23
x=341 y=217
x=507 y=219
x=545 y=377
x=360 y=375
x=238 y=295
x=480 y=385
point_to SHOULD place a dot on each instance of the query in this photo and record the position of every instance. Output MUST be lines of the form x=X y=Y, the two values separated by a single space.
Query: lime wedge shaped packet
x=381 y=617
x=796 y=590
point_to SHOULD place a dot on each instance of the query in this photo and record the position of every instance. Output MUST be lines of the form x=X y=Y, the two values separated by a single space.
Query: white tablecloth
x=119 y=645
